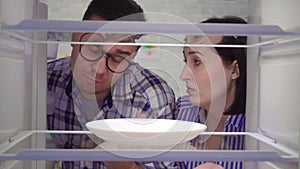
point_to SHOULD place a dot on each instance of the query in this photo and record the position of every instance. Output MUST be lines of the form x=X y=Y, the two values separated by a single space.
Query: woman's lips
x=190 y=90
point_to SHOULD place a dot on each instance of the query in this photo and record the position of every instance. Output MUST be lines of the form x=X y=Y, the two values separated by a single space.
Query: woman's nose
x=185 y=73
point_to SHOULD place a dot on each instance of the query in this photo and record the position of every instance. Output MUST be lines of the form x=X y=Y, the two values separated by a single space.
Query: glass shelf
x=170 y=34
x=13 y=150
x=145 y=27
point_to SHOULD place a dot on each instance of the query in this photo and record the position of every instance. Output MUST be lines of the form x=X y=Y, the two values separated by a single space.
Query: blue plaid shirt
x=138 y=91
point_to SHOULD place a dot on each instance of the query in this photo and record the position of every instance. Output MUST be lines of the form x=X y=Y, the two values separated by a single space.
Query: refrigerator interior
x=273 y=92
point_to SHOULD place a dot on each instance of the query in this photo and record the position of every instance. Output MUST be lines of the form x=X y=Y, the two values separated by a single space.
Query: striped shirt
x=138 y=91
x=234 y=123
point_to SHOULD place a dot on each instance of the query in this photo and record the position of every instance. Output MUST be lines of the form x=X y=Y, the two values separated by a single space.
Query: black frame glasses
x=114 y=63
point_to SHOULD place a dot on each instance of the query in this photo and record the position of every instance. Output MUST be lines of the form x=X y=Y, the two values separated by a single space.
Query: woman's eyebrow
x=195 y=52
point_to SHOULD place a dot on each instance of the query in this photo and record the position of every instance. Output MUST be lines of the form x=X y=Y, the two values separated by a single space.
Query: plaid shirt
x=234 y=123
x=138 y=91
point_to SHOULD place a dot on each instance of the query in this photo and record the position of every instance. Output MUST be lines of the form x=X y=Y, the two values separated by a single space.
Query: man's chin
x=90 y=92
x=89 y=95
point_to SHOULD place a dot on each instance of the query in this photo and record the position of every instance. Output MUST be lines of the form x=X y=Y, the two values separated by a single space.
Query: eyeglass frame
x=105 y=54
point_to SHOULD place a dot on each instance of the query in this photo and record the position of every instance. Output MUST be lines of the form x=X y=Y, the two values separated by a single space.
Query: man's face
x=94 y=65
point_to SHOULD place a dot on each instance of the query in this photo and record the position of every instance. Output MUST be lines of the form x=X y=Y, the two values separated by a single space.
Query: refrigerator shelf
x=170 y=34
x=146 y=27
x=12 y=151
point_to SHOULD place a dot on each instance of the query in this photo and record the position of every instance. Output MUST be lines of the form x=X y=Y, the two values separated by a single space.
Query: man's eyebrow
x=127 y=40
x=119 y=51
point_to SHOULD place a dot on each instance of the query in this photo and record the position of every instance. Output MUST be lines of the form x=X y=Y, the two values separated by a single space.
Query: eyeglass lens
x=94 y=52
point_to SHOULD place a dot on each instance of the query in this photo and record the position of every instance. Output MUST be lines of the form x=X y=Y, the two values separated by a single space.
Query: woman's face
x=208 y=80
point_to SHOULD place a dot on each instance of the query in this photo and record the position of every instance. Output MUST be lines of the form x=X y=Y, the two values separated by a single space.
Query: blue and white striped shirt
x=234 y=123
x=138 y=91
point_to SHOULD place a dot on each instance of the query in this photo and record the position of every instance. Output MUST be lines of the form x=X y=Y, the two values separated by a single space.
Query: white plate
x=141 y=132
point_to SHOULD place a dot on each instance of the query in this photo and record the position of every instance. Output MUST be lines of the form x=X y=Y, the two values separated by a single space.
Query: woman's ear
x=235 y=72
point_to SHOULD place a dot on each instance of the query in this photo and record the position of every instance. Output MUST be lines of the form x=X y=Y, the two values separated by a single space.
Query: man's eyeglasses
x=94 y=52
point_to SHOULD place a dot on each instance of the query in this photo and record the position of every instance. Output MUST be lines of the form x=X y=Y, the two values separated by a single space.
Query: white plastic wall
x=279 y=74
x=273 y=79
x=273 y=73
x=15 y=86
x=23 y=76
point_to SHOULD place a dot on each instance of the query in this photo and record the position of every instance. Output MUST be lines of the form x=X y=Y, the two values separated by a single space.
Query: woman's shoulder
x=237 y=121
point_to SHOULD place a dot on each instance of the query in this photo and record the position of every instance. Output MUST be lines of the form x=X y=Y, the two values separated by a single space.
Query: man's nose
x=100 y=66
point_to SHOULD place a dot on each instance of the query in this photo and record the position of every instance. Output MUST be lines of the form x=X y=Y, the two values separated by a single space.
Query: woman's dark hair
x=126 y=10
x=230 y=54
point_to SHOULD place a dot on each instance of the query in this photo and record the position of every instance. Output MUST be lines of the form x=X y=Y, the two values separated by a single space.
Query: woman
x=215 y=78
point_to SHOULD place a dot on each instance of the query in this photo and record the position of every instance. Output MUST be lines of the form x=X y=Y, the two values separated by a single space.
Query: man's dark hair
x=126 y=10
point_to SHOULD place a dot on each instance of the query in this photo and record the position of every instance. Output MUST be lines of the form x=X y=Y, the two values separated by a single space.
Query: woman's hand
x=209 y=165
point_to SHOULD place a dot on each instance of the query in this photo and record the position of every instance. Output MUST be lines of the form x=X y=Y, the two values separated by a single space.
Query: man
x=102 y=82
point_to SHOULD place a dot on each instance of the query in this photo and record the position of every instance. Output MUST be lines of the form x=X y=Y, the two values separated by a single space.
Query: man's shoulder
x=58 y=73
x=59 y=64
x=139 y=81
x=145 y=77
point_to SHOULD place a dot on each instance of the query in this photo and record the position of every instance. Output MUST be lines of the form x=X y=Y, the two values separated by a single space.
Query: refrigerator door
x=272 y=99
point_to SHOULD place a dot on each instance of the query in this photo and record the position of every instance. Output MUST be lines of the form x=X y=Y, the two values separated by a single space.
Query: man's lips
x=93 y=79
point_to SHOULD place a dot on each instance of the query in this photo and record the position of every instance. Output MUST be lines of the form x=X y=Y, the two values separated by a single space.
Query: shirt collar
x=233 y=120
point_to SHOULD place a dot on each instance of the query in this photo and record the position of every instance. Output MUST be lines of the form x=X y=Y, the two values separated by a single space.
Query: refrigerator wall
x=12 y=69
x=273 y=80
x=279 y=65
x=22 y=74
x=22 y=69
